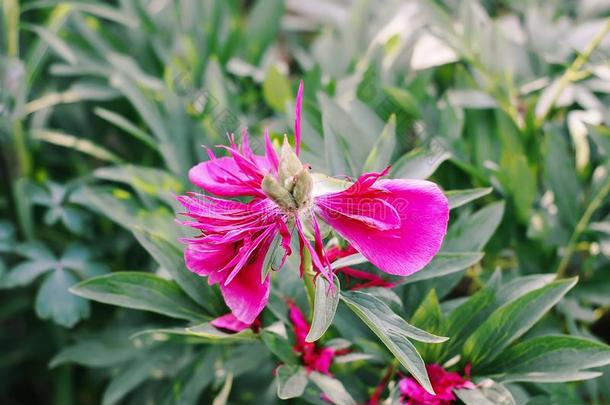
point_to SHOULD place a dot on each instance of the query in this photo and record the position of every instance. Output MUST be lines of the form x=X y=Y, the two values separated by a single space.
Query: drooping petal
x=229 y=322
x=245 y=295
x=421 y=207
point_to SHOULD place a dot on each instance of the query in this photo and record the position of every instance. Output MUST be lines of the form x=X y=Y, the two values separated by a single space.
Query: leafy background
x=104 y=106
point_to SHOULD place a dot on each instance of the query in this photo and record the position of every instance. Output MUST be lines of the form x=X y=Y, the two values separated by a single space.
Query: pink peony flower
x=314 y=358
x=443 y=383
x=398 y=225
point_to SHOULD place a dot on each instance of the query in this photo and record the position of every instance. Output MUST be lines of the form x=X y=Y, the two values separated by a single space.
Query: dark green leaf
x=142 y=291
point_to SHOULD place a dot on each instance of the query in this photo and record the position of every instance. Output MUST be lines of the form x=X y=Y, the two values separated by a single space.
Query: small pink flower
x=314 y=358
x=443 y=383
x=398 y=225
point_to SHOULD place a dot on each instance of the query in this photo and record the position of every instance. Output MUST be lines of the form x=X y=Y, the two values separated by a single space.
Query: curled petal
x=230 y=322
x=421 y=207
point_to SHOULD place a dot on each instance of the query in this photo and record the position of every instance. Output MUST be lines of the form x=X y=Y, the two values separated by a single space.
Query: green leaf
x=381 y=154
x=405 y=100
x=487 y=392
x=393 y=331
x=263 y=24
x=276 y=89
x=55 y=42
x=171 y=259
x=26 y=272
x=420 y=163
x=325 y=306
x=553 y=355
x=54 y=301
x=77 y=143
x=142 y=291
x=560 y=171
x=214 y=335
x=471 y=232
x=511 y=321
x=336 y=161
x=457 y=198
x=280 y=347
x=291 y=381
x=444 y=264
x=127 y=126
x=99 y=351
x=135 y=374
x=333 y=388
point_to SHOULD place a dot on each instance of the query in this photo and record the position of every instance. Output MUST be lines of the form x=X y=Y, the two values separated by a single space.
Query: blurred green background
x=104 y=106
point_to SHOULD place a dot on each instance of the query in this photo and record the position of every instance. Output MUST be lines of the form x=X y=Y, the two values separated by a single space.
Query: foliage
x=104 y=106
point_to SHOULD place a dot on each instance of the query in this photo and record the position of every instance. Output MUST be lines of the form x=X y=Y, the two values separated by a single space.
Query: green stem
x=308 y=279
x=573 y=72
x=581 y=226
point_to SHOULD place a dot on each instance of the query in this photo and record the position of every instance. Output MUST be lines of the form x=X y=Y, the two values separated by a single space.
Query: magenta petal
x=297 y=119
x=423 y=211
x=245 y=295
x=230 y=322
x=225 y=177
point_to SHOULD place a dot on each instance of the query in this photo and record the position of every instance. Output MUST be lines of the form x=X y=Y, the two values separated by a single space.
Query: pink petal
x=270 y=153
x=224 y=177
x=245 y=295
x=230 y=322
x=423 y=211
x=297 y=119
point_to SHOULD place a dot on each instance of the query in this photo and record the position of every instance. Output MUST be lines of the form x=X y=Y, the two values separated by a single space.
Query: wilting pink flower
x=443 y=382
x=398 y=225
x=314 y=357
x=361 y=279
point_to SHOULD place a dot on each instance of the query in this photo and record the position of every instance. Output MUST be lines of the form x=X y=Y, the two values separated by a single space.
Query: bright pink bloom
x=398 y=225
x=362 y=279
x=314 y=358
x=443 y=383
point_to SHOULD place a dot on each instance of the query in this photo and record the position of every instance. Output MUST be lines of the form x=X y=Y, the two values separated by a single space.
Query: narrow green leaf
x=419 y=163
x=79 y=144
x=393 y=331
x=511 y=321
x=405 y=100
x=444 y=264
x=550 y=354
x=457 y=198
x=127 y=126
x=142 y=291
x=381 y=154
x=325 y=306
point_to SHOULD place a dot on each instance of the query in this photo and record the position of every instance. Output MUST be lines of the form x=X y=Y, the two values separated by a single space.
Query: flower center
x=292 y=188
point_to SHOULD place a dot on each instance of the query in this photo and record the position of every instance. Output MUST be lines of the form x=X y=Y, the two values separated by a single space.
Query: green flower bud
x=303 y=186
x=277 y=193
